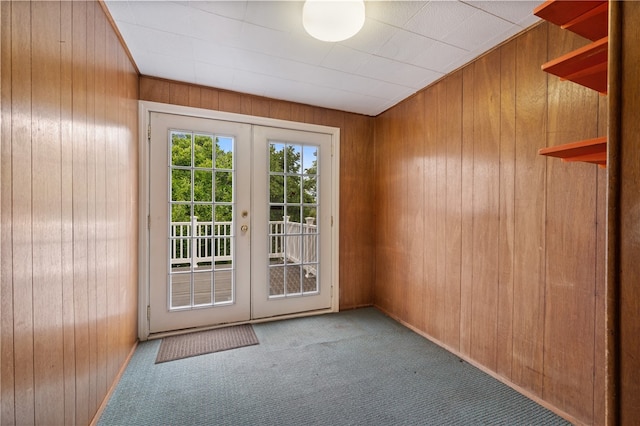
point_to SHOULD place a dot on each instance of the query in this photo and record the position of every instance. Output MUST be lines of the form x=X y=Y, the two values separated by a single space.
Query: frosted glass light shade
x=333 y=20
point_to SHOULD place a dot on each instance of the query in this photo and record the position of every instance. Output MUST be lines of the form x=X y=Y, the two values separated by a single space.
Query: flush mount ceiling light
x=333 y=20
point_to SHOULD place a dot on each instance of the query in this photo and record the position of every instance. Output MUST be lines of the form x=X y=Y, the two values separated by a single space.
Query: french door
x=291 y=268
x=239 y=222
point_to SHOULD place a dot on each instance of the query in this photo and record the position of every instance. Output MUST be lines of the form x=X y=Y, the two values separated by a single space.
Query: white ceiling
x=261 y=48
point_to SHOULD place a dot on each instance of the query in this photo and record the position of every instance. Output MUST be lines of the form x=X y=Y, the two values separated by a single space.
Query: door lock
x=244 y=228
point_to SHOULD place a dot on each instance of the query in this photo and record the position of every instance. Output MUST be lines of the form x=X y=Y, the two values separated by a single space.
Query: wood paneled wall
x=68 y=210
x=486 y=247
x=356 y=172
x=624 y=215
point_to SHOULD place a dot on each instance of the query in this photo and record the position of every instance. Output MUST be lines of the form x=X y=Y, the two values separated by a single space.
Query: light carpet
x=351 y=368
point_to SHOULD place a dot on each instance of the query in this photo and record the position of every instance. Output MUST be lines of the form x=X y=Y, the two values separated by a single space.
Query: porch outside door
x=237 y=229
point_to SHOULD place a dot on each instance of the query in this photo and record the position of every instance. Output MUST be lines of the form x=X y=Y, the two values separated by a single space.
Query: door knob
x=244 y=228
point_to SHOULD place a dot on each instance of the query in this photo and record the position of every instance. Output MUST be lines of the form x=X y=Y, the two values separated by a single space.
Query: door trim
x=144 y=110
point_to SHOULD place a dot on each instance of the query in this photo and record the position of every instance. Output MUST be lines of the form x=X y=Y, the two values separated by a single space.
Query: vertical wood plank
x=414 y=164
x=3 y=133
x=22 y=261
x=615 y=394
x=230 y=102
x=92 y=11
x=128 y=228
x=260 y=107
x=599 y=356
x=80 y=207
x=364 y=247
x=246 y=104
x=396 y=219
x=152 y=89
x=466 y=269
x=209 y=98
x=400 y=226
x=7 y=412
x=123 y=218
x=378 y=167
x=46 y=207
x=430 y=193
x=380 y=126
x=623 y=211
x=67 y=47
x=529 y=211
x=486 y=183
x=440 y=204
x=195 y=97
x=302 y=113
x=453 y=216
x=280 y=109
x=178 y=93
x=101 y=217
x=132 y=202
x=506 y=231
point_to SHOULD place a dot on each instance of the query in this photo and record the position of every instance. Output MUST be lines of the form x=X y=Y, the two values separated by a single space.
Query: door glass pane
x=181 y=149
x=224 y=153
x=180 y=283
x=293 y=207
x=293 y=189
x=202 y=185
x=202 y=288
x=276 y=183
x=203 y=213
x=224 y=187
x=276 y=157
x=292 y=276
x=310 y=193
x=276 y=280
x=224 y=286
x=180 y=185
x=201 y=241
x=203 y=151
x=180 y=237
x=224 y=214
x=293 y=159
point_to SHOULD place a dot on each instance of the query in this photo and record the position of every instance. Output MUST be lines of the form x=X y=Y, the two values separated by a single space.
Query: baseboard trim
x=486 y=370
x=112 y=388
x=352 y=307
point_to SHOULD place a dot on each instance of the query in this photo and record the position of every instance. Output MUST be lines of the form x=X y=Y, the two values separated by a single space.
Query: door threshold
x=163 y=334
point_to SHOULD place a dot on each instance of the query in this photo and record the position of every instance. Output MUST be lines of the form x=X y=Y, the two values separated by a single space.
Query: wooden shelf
x=590 y=151
x=586 y=66
x=561 y=12
x=593 y=25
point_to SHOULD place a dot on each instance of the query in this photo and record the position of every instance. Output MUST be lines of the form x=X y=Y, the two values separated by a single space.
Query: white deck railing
x=297 y=242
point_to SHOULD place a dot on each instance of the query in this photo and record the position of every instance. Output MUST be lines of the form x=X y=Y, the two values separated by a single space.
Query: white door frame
x=145 y=108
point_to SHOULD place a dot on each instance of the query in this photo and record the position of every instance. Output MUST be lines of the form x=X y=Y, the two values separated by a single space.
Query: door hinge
x=148 y=313
x=148 y=221
x=331 y=220
x=149 y=133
